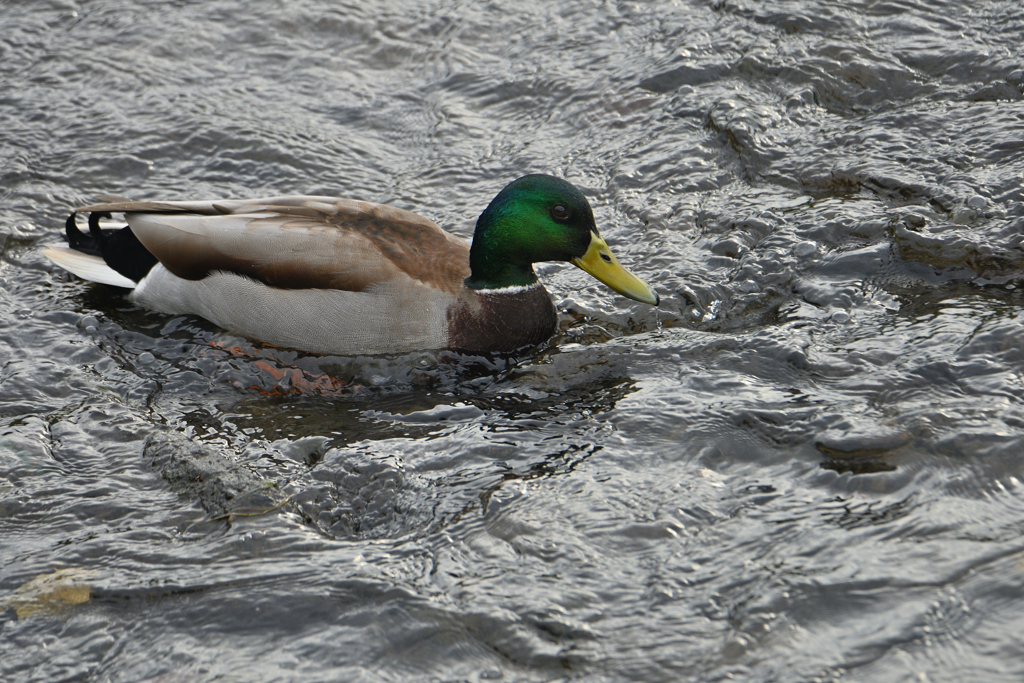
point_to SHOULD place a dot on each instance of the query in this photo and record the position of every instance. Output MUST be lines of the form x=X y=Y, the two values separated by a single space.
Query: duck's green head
x=542 y=218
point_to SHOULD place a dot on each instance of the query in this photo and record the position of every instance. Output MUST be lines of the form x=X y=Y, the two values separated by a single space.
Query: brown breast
x=493 y=321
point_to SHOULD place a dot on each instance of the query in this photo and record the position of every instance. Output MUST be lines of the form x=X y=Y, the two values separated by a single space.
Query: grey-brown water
x=806 y=465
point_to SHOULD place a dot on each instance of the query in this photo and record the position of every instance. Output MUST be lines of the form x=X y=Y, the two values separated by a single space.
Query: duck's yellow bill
x=602 y=264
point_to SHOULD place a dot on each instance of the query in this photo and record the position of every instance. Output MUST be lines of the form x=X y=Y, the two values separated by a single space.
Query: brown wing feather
x=418 y=248
x=121 y=205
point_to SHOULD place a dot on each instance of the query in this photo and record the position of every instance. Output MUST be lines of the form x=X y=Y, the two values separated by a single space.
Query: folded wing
x=296 y=242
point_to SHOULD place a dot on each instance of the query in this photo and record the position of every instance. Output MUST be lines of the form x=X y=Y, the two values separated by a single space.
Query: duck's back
x=296 y=241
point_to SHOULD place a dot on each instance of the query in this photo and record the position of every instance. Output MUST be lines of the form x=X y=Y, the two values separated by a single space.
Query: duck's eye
x=559 y=212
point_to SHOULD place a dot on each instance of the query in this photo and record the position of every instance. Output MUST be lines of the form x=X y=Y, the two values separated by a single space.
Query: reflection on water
x=804 y=465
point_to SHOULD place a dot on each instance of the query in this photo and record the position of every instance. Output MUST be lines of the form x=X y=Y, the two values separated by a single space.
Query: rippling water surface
x=806 y=465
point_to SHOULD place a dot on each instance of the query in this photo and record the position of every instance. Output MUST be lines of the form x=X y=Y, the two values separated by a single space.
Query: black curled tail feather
x=120 y=249
x=94 y=225
x=78 y=240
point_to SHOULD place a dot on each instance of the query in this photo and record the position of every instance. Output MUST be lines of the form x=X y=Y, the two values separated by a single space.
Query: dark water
x=806 y=465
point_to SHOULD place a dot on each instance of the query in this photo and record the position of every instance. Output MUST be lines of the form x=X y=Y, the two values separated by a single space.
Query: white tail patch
x=86 y=266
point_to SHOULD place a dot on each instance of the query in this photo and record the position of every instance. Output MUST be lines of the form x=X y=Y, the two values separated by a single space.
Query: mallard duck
x=341 y=276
